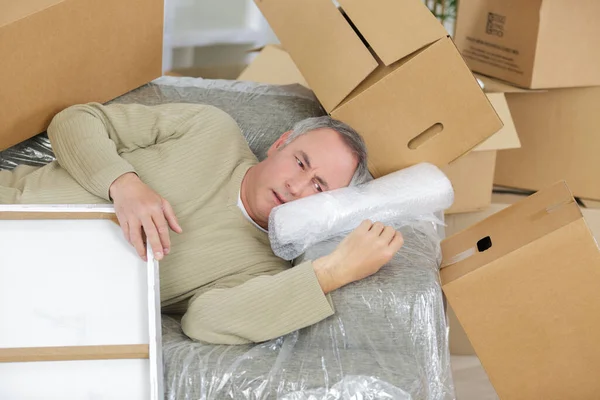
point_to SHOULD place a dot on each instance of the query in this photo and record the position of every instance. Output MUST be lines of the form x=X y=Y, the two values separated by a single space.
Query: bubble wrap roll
x=410 y=194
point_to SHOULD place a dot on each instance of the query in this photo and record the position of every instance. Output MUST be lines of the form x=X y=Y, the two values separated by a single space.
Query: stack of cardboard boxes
x=521 y=275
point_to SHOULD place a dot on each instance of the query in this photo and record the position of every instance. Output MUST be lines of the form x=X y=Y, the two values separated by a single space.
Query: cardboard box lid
x=506 y=137
x=15 y=10
x=392 y=28
x=507 y=231
x=330 y=53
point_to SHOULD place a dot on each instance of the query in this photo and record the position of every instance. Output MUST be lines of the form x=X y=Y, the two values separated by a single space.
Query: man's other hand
x=362 y=253
x=141 y=211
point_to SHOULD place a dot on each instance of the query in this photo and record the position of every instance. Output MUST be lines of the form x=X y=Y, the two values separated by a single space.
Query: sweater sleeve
x=244 y=308
x=88 y=139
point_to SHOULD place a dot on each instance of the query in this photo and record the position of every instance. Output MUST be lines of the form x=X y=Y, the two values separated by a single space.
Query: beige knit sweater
x=221 y=271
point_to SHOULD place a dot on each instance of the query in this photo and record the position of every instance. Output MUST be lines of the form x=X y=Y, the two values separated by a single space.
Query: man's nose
x=297 y=185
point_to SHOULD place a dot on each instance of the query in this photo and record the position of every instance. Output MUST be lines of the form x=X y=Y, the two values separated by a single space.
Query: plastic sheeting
x=388 y=338
x=413 y=193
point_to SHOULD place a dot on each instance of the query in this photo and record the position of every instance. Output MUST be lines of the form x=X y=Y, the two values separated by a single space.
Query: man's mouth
x=278 y=199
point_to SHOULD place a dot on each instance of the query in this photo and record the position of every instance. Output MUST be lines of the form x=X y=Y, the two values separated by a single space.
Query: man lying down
x=187 y=168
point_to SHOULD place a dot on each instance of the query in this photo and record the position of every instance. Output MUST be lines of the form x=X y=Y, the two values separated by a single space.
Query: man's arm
x=88 y=140
x=243 y=309
x=246 y=308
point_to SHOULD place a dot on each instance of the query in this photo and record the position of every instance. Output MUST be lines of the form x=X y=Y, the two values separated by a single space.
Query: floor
x=470 y=380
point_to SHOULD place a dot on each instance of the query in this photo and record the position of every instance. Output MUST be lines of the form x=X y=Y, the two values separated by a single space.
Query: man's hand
x=140 y=210
x=362 y=253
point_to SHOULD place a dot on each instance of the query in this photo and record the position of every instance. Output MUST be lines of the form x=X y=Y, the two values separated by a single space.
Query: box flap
x=328 y=52
x=394 y=29
x=15 y=10
x=273 y=65
x=508 y=230
x=507 y=137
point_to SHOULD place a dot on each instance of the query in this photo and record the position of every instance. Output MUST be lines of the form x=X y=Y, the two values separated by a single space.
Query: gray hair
x=351 y=138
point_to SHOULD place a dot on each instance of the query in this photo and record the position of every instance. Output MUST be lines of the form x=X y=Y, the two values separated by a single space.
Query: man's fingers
x=387 y=234
x=163 y=233
x=397 y=242
x=377 y=228
x=170 y=216
x=364 y=226
x=153 y=238
x=136 y=239
x=124 y=227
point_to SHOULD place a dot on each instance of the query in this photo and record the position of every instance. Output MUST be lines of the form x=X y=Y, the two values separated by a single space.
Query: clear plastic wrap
x=388 y=339
x=36 y=151
x=413 y=193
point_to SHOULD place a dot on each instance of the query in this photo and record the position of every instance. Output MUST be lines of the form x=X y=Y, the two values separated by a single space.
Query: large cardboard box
x=389 y=70
x=472 y=175
x=459 y=342
x=559 y=137
x=57 y=53
x=533 y=44
x=524 y=285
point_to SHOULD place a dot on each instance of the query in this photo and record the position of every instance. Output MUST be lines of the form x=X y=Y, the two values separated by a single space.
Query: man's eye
x=299 y=163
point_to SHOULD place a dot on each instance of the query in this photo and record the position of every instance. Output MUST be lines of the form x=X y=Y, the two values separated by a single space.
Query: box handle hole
x=425 y=136
x=484 y=244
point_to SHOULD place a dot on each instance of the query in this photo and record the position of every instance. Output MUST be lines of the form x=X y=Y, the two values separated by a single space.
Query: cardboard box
x=459 y=342
x=272 y=65
x=408 y=91
x=559 y=137
x=533 y=44
x=62 y=52
x=472 y=175
x=524 y=285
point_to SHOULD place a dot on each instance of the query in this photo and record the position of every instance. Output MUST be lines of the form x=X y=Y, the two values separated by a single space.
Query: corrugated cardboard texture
x=472 y=179
x=74 y=51
x=414 y=98
x=382 y=22
x=15 y=10
x=498 y=37
x=559 y=137
x=273 y=65
x=331 y=56
x=533 y=44
x=567 y=53
x=506 y=137
x=531 y=313
x=459 y=342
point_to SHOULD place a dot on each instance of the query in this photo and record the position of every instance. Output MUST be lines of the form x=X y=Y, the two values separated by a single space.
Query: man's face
x=315 y=162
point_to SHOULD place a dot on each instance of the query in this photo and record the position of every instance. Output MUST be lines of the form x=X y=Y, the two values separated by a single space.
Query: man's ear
x=278 y=143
